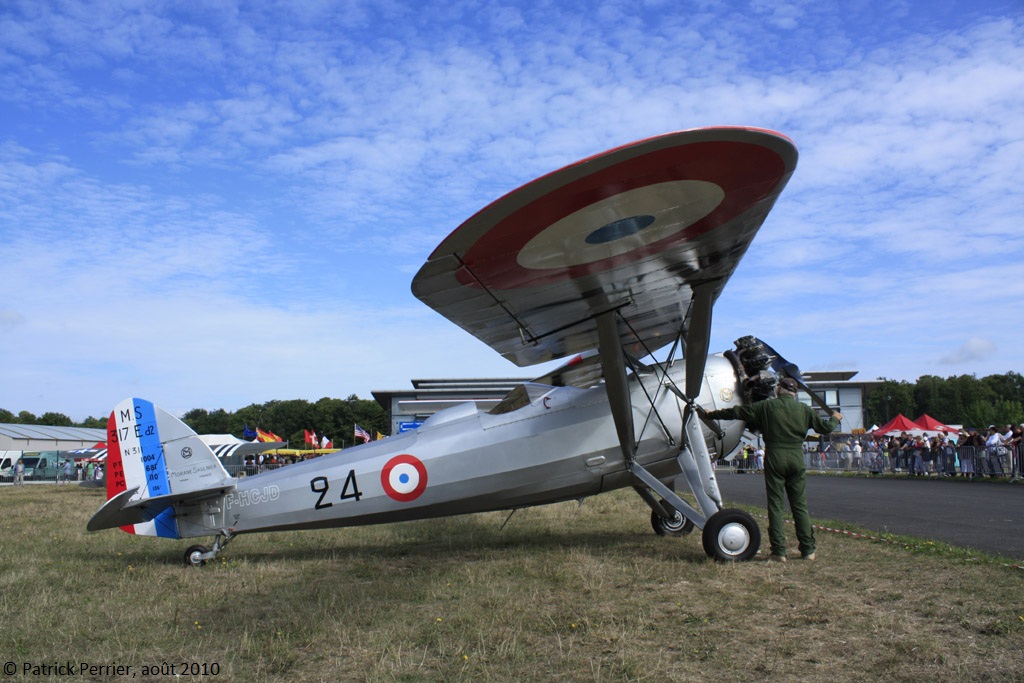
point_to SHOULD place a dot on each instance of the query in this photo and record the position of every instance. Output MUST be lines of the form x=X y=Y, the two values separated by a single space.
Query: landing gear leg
x=198 y=555
x=195 y=554
x=677 y=525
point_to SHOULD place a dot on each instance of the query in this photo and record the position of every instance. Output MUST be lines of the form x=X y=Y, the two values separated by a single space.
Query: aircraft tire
x=731 y=535
x=676 y=526
x=191 y=561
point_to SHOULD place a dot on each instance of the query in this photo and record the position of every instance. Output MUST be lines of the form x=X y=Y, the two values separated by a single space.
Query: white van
x=39 y=466
x=7 y=460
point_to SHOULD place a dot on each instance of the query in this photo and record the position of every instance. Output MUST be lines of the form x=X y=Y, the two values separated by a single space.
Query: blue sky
x=211 y=204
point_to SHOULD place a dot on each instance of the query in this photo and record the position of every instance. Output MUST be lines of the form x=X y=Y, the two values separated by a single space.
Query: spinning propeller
x=763 y=365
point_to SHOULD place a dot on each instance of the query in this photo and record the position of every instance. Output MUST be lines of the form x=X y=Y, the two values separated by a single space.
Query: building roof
x=43 y=437
x=829 y=376
x=442 y=392
x=20 y=431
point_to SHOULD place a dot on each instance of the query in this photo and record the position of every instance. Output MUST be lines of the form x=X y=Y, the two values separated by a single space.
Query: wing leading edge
x=638 y=229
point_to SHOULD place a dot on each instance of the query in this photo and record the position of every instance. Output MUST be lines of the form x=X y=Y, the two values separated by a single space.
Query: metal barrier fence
x=78 y=476
x=962 y=461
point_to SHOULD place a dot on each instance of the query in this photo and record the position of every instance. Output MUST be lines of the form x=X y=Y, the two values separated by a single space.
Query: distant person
x=19 y=472
x=1006 y=452
x=844 y=456
x=784 y=422
x=971 y=445
x=918 y=448
x=947 y=450
x=1014 y=444
x=742 y=459
x=893 y=453
x=993 y=447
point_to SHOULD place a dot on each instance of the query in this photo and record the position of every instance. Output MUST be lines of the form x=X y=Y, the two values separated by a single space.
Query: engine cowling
x=740 y=376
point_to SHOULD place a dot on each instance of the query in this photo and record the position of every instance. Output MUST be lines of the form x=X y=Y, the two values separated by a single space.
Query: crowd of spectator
x=970 y=453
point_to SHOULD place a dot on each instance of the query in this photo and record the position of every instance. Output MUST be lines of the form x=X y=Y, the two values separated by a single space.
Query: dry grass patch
x=562 y=593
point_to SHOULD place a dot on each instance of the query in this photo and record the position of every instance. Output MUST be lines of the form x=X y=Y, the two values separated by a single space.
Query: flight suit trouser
x=786 y=477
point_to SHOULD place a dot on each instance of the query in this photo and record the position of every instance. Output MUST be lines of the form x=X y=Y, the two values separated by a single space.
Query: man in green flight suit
x=784 y=422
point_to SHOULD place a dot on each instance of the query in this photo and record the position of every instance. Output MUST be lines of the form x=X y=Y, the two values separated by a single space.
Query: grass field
x=562 y=593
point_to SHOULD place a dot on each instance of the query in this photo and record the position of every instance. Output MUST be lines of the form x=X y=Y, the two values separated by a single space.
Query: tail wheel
x=677 y=525
x=193 y=556
x=731 y=536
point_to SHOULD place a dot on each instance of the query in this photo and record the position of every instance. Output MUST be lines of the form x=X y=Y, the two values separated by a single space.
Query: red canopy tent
x=930 y=424
x=900 y=423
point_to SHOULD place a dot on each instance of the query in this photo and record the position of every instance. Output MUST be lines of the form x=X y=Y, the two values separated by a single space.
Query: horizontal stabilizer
x=123 y=509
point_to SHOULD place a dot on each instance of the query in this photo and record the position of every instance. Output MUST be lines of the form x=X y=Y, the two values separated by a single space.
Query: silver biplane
x=608 y=260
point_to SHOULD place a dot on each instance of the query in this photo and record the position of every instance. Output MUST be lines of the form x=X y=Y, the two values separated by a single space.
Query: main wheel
x=677 y=525
x=731 y=536
x=192 y=556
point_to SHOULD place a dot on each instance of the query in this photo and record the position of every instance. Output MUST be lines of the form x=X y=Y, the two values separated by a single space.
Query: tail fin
x=154 y=461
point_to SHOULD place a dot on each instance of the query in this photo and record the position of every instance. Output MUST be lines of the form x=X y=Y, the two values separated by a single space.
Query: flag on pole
x=267 y=437
x=361 y=433
x=325 y=442
x=248 y=433
x=310 y=437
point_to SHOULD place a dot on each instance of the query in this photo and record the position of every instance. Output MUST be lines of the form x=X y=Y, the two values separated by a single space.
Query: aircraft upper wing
x=636 y=229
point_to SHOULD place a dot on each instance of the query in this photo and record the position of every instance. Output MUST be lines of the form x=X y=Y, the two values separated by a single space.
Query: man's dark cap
x=789 y=384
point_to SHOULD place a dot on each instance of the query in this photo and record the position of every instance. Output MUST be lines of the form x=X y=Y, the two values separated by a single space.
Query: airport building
x=407 y=409
x=842 y=392
x=39 y=438
x=42 y=448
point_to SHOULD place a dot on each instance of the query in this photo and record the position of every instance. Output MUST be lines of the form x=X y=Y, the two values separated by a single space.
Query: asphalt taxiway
x=985 y=515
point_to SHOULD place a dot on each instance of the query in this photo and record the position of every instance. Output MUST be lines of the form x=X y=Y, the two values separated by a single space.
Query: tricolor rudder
x=137 y=461
x=154 y=462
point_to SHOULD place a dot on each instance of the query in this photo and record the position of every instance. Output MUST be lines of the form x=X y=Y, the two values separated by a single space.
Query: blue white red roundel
x=404 y=478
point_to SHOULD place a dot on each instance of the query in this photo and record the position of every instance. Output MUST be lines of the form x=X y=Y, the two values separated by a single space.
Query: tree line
x=50 y=419
x=331 y=417
x=960 y=400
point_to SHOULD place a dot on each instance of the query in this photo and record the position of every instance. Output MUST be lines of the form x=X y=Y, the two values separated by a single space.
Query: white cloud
x=974 y=349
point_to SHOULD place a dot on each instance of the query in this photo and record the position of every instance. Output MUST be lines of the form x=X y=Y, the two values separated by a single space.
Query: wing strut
x=647 y=485
x=694 y=459
x=616 y=382
x=698 y=337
